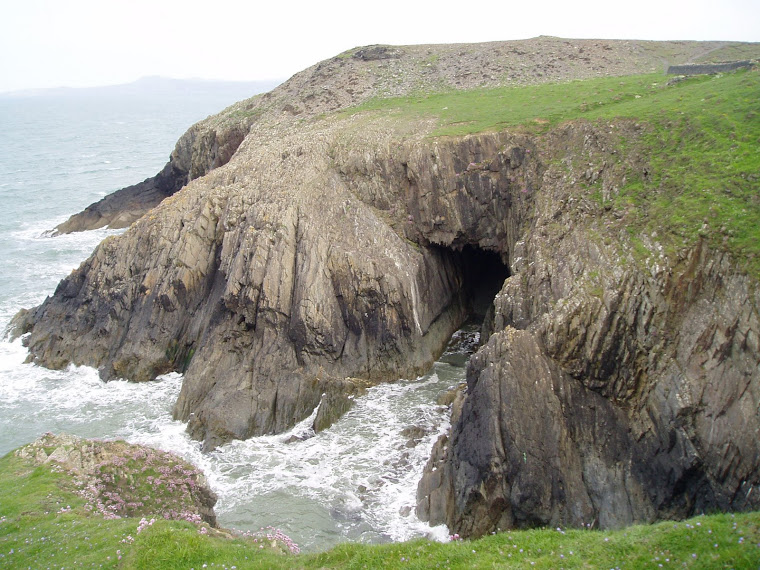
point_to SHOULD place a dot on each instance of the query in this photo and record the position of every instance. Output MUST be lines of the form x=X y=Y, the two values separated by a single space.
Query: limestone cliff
x=334 y=250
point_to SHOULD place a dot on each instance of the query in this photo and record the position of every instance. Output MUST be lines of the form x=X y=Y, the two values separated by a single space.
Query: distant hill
x=154 y=85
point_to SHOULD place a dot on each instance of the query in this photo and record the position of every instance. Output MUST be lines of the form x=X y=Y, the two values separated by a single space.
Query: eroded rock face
x=608 y=390
x=269 y=298
x=609 y=393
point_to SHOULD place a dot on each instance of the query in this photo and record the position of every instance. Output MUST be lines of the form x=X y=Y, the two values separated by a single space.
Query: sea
x=355 y=481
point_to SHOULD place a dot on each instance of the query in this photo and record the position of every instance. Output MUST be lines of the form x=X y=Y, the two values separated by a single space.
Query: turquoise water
x=355 y=481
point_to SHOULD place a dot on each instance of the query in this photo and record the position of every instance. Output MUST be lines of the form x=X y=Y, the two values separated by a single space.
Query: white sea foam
x=363 y=471
x=355 y=481
x=34 y=400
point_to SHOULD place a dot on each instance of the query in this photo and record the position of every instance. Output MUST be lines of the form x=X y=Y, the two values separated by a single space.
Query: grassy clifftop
x=702 y=179
x=45 y=522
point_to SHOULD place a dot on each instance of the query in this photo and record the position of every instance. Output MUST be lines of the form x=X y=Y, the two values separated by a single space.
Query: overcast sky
x=78 y=43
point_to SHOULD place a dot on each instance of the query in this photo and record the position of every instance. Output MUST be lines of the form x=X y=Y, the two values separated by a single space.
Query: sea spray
x=354 y=481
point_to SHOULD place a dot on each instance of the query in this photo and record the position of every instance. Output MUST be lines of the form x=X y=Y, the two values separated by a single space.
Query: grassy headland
x=46 y=523
x=702 y=139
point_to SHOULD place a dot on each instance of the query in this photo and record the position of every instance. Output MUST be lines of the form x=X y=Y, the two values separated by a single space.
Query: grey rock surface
x=608 y=393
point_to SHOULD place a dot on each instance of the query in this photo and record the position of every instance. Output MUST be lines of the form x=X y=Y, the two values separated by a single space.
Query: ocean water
x=353 y=482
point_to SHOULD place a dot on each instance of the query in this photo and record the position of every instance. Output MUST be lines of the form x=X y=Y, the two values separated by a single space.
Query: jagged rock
x=637 y=376
x=267 y=299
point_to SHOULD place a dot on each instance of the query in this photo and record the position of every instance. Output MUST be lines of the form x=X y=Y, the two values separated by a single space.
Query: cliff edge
x=360 y=74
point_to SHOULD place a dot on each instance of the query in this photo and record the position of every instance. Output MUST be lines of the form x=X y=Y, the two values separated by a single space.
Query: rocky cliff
x=362 y=73
x=335 y=250
x=268 y=299
x=609 y=393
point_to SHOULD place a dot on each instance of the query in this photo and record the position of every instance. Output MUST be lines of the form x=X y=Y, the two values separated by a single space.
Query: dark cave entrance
x=482 y=273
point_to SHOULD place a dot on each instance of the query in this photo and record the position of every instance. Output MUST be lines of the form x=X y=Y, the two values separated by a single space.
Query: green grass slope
x=45 y=523
x=703 y=144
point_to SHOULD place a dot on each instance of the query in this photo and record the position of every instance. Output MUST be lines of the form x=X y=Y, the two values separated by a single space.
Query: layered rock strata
x=267 y=298
x=607 y=394
x=332 y=252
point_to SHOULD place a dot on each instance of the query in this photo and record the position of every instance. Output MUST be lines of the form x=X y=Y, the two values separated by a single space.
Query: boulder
x=118 y=479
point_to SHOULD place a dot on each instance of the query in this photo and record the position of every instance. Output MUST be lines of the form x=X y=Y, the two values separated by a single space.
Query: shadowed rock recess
x=331 y=251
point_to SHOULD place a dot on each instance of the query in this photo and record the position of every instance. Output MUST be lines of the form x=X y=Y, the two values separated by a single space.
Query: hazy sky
x=51 y=43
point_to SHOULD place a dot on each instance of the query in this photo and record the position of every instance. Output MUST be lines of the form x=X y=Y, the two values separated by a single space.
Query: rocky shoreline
x=309 y=255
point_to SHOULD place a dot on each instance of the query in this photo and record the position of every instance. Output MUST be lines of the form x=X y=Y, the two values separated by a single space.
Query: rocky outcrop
x=205 y=146
x=269 y=299
x=640 y=406
x=645 y=375
x=117 y=479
